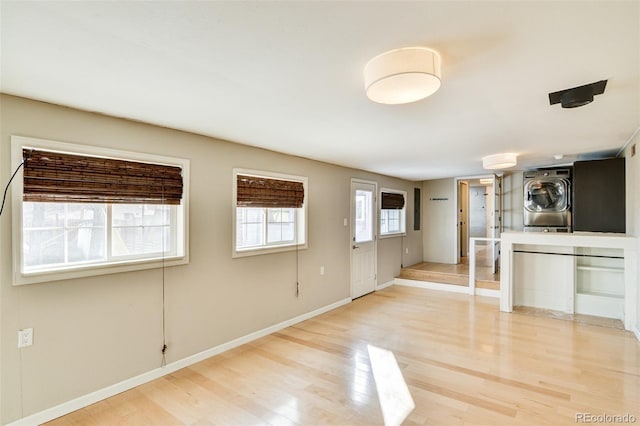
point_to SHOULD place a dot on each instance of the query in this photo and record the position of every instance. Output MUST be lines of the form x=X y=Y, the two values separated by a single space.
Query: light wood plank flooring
x=464 y=363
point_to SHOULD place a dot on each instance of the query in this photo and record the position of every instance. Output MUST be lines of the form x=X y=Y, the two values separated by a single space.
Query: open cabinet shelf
x=600 y=282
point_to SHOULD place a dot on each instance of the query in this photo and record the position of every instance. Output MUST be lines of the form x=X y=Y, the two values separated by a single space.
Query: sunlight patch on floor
x=395 y=399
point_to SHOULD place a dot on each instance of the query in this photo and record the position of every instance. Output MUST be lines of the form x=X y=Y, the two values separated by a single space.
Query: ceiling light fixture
x=402 y=75
x=499 y=161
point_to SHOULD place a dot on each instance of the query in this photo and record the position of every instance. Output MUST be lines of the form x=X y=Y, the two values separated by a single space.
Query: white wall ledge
x=578 y=239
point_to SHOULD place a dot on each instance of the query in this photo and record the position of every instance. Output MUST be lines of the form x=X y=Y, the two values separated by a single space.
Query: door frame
x=462 y=218
x=457 y=208
x=352 y=231
x=496 y=221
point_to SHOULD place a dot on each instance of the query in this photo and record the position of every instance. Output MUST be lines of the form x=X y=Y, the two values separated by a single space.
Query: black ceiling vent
x=577 y=96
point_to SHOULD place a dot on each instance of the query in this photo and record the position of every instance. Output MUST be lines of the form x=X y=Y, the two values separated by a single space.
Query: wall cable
x=6 y=188
x=297 y=268
x=18 y=290
x=20 y=359
x=163 y=363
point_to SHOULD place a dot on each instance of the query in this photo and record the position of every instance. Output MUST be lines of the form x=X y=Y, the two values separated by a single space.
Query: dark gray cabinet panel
x=599 y=195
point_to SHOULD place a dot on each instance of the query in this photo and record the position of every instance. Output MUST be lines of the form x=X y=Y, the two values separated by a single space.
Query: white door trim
x=352 y=230
x=456 y=210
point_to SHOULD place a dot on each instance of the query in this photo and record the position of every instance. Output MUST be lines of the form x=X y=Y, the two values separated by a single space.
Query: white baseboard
x=446 y=287
x=109 y=391
x=385 y=285
x=636 y=331
x=432 y=286
x=487 y=292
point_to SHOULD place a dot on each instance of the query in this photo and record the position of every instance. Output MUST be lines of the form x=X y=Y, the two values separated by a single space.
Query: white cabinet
x=544 y=279
x=600 y=282
x=586 y=273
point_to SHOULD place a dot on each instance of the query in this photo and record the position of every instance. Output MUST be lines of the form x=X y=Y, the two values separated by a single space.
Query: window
x=364 y=216
x=87 y=211
x=59 y=235
x=392 y=212
x=270 y=212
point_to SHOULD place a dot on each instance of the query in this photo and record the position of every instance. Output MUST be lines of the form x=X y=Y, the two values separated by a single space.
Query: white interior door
x=496 y=223
x=363 y=238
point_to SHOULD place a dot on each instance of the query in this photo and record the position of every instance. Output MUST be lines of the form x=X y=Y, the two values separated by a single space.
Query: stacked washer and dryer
x=547 y=200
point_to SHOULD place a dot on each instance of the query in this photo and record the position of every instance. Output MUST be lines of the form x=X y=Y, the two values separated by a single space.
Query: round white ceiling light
x=499 y=161
x=403 y=75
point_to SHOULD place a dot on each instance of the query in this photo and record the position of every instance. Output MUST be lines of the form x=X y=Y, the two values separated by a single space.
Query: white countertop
x=575 y=239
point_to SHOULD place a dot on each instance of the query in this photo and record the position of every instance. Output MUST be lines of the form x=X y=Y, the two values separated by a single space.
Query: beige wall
x=400 y=251
x=97 y=331
x=439 y=217
x=632 y=170
x=439 y=232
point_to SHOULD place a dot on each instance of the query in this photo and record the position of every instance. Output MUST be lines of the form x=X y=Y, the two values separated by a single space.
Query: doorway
x=363 y=237
x=479 y=216
x=463 y=220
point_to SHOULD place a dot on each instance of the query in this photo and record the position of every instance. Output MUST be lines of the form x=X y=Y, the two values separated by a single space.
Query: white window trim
x=301 y=217
x=77 y=271
x=403 y=214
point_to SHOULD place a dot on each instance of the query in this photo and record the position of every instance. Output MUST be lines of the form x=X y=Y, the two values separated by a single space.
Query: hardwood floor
x=464 y=363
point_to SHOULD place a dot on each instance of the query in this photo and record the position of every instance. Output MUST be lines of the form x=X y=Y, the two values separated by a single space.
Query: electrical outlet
x=25 y=337
x=322 y=270
x=346 y=222
x=406 y=251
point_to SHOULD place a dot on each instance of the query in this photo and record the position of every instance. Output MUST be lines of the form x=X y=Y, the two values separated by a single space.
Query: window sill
x=398 y=234
x=93 y=270
x=266 y=250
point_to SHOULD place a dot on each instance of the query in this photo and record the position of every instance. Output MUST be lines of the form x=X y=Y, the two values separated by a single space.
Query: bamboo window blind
x=60 y=177
x=392 y=201
x=255 y=191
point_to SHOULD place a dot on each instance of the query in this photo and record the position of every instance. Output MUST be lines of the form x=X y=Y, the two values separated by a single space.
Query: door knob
x=355 y=246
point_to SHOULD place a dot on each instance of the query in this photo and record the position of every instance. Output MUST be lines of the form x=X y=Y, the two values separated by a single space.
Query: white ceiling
x=287 y=76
